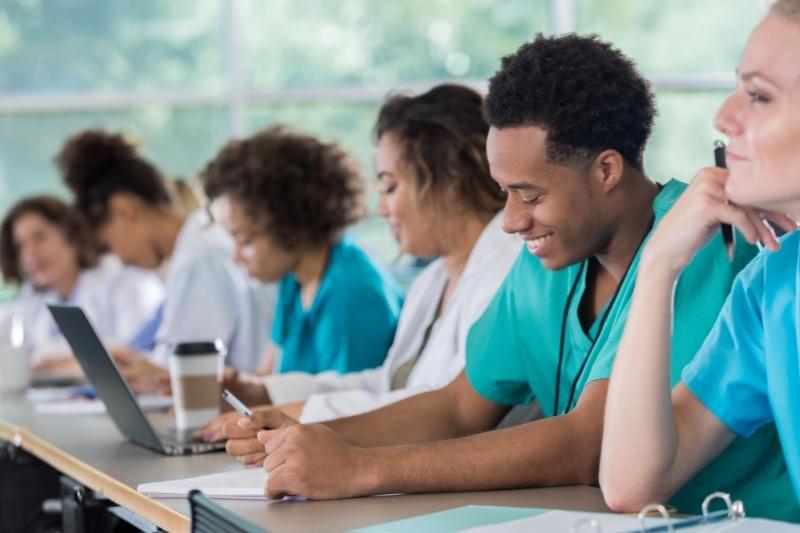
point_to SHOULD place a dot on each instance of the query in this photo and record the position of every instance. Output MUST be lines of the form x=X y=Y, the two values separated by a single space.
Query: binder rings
x=730 y=519
x=733 y=512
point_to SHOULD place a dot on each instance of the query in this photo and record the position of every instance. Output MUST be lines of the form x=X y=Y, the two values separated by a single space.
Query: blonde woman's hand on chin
x=695 y=219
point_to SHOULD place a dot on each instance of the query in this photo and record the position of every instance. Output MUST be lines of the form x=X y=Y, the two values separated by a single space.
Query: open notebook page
x=247 y=484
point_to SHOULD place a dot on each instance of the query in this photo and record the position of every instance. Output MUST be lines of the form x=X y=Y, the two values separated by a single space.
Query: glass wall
x=183 y=76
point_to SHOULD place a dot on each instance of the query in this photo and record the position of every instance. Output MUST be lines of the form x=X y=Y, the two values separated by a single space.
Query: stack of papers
x=71 y=406
x=245 y=484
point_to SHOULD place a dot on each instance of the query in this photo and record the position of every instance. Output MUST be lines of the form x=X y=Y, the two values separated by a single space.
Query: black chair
x=210 y=517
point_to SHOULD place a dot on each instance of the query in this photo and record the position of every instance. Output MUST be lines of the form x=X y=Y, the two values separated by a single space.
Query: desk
x=91 y=450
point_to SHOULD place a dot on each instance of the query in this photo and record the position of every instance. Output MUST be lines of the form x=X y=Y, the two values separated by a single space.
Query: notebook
x=452 y=520
x=731 y=518
x=483 y=519
x=246 y=484
x=84 y=406
x=570 y=521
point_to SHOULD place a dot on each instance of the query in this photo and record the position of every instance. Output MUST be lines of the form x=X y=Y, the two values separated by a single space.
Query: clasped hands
x=308 y=460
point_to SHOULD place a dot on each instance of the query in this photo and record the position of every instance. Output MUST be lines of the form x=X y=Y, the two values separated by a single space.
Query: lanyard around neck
x=565 y=317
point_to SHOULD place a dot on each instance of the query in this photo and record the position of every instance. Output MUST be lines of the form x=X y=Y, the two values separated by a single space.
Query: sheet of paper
x=759 y=524
x=83 y=406
x=53 y=394
x=564 y=520
x=615 y=523
x=452 y=520
x=245 y=484
x=76 y=406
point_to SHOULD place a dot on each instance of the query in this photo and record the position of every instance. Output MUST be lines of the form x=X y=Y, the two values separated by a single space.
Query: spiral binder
x=734 y=511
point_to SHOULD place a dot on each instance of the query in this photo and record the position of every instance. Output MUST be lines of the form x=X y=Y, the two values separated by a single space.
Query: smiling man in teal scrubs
x=570 y=118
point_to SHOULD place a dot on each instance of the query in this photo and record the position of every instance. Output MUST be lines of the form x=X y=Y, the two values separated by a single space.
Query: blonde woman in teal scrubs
x=747 y=374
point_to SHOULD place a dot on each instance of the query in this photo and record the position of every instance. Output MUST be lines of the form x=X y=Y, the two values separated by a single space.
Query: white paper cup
x=15 y=368
x=195 y=371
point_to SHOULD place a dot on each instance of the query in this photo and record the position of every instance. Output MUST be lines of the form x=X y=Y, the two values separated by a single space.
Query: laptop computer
x=111 y=387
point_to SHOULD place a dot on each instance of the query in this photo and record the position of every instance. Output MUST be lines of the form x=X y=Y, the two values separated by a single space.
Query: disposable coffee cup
x=15 y=360
x=15 y=368
x=195 y=371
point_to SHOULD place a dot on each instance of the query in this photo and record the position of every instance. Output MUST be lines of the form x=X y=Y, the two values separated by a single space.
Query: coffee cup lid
x=199 y=348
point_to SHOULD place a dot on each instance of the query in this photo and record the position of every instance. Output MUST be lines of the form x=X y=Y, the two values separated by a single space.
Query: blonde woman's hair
x=787 y=8
x=185 y=197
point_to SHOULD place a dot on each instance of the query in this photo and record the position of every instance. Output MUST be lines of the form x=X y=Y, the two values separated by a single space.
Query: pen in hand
x=727 y=229
x=236 y=403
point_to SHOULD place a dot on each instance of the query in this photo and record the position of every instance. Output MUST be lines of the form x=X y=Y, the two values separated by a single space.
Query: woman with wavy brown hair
x=440 y=200
x=48 y=252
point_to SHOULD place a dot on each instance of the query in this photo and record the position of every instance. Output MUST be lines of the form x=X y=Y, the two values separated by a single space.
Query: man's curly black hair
x=583 y=92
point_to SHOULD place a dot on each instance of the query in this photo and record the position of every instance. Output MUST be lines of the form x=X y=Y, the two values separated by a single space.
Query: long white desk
x=92 y=451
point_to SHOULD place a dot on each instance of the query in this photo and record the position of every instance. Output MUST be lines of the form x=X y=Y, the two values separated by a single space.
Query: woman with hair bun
x=48 y=252
x=126 y=200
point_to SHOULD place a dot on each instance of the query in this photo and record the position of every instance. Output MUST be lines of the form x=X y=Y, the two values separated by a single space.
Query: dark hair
x=56 y=212
x=442 y=134
x=584 y=93
x=300 y=190
x=97 y=164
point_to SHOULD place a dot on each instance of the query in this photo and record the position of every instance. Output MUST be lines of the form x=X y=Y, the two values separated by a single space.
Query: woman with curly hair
x=49 y=253
x=127 y=201
x=289 y=198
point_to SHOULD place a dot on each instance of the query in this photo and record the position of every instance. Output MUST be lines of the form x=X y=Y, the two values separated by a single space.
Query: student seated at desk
x=569 y=117
x=745 y=376
x=441 y=201
x=288 y=199
x=127 y=202
x=46 y=249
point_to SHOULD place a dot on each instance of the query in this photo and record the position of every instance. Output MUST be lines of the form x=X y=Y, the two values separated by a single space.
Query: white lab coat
x=209 y=297
x=118 y=301
x=330 y=395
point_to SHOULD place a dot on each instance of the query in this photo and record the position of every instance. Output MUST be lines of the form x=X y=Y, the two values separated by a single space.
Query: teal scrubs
x=513 y=353
x=748 y=371
x=349 y=325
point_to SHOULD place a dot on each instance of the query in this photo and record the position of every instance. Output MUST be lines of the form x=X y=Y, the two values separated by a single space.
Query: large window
x=185 y=75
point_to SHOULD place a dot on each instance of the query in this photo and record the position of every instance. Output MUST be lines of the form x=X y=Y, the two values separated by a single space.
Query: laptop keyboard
x=186 y=441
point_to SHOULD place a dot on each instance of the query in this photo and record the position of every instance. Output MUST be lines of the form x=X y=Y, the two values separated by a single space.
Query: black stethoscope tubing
x=565 y=317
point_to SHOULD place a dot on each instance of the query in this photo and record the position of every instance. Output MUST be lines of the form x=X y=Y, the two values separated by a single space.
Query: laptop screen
x=102 y=372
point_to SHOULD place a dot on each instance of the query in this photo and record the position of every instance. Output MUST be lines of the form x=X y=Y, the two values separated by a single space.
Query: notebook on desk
x=244 y=484
x=102 y=372
x=729 y=519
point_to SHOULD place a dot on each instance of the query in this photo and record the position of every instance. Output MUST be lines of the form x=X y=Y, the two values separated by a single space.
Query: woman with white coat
x=128 y=204
x=49 y=253
x=440 y=200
